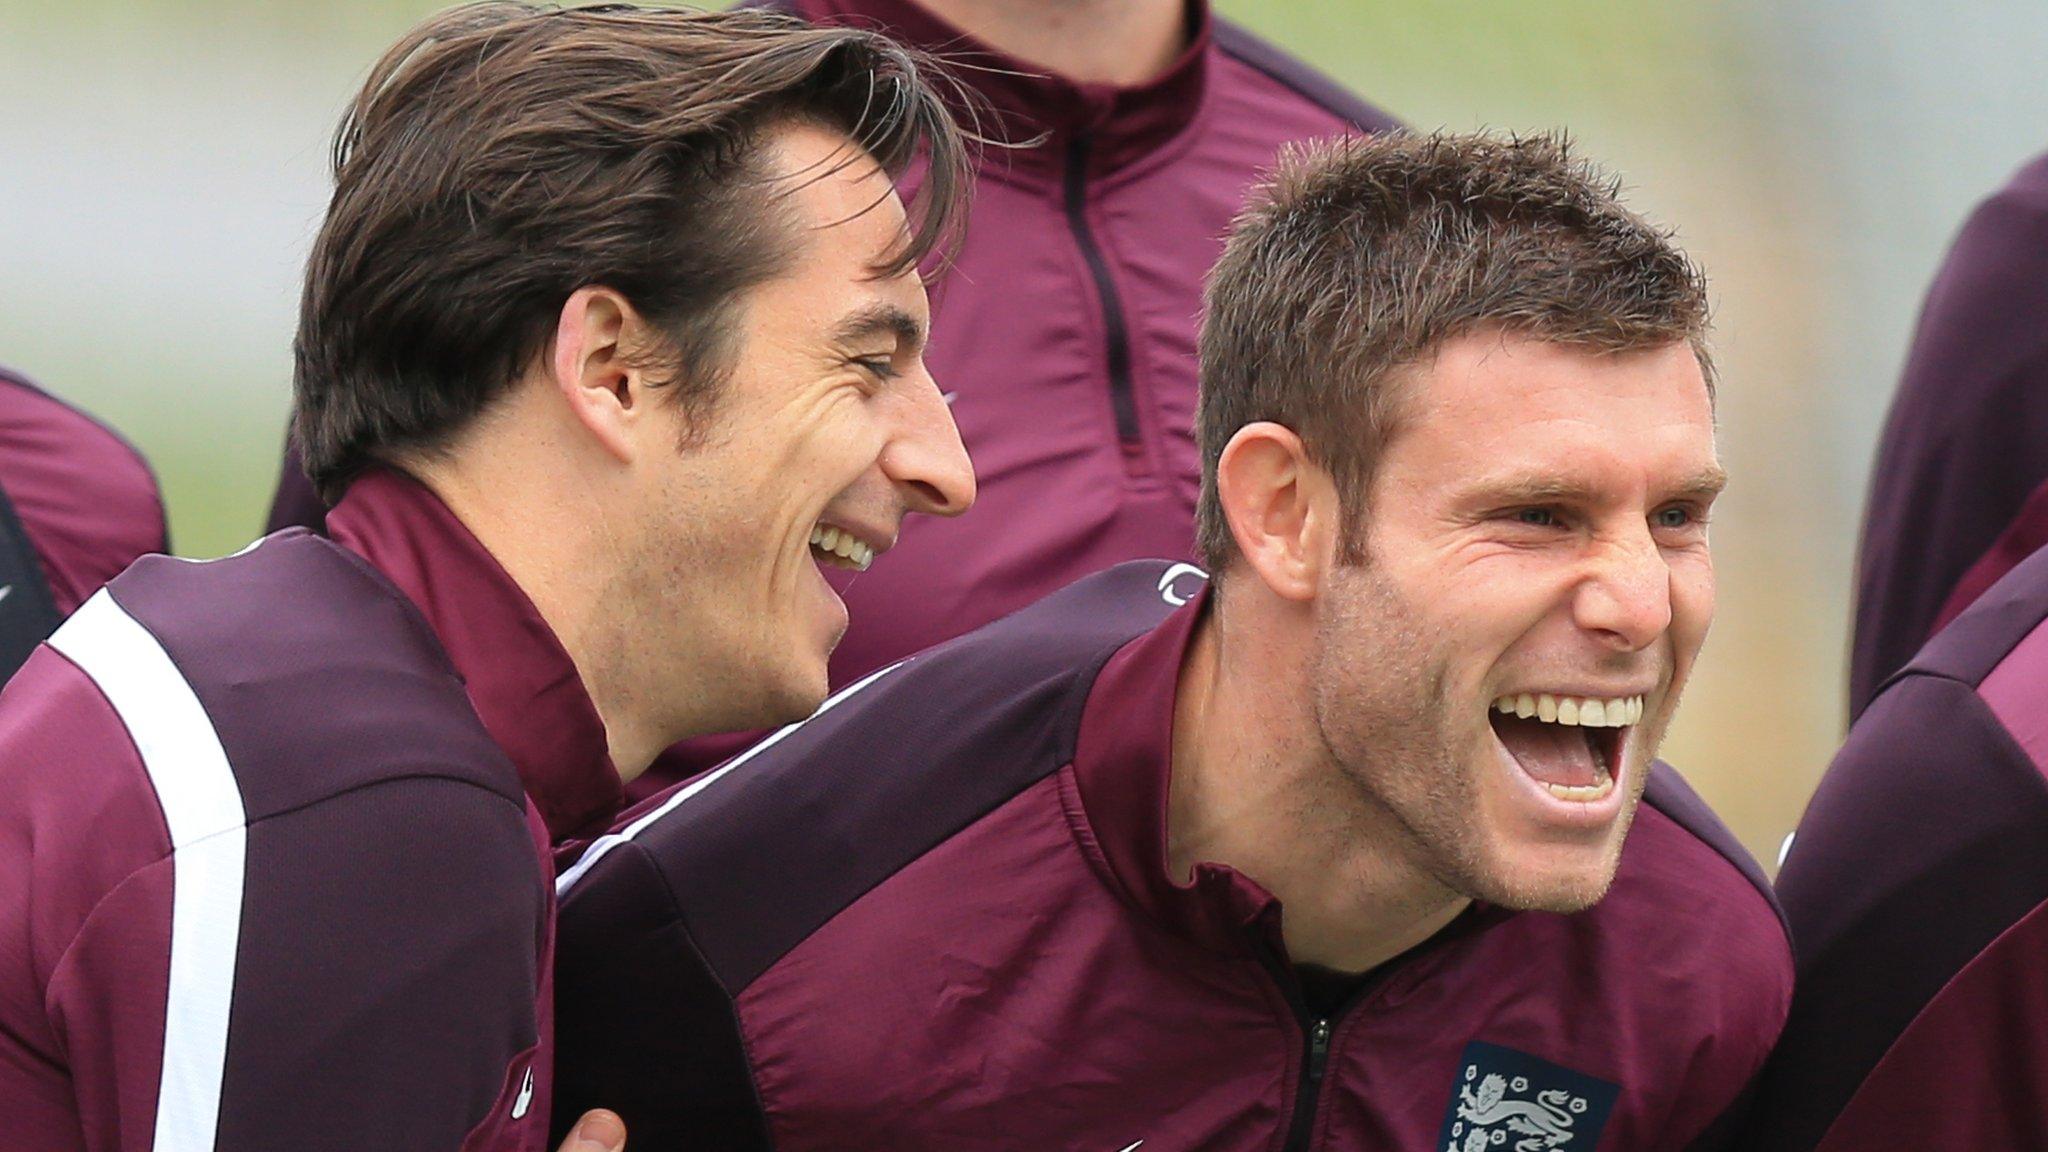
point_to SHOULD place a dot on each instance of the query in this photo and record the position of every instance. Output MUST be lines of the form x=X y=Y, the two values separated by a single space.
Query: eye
x=1676 y=516
x=880 y=367
x=1535 y=517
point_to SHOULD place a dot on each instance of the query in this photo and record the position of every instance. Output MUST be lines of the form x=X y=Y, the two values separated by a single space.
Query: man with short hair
x=1314 y=858
x=610 y=342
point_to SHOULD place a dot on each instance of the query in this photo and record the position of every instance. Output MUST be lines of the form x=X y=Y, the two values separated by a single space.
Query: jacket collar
x=520 y=680
x=1123 y=767
x=1116 y=126
x=1123 y=770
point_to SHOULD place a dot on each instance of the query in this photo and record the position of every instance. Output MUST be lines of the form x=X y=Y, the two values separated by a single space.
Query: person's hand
x=597 y=1131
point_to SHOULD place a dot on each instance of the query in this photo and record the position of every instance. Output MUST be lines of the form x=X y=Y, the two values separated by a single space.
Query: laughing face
x=828 y=432
x=1495 y=677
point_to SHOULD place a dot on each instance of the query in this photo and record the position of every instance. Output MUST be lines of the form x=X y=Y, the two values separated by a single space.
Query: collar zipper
x=1116 y=329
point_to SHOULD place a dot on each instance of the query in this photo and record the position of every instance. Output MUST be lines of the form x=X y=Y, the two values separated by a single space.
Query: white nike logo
x=4 y=590
x=525 y=1099
x=949 y=397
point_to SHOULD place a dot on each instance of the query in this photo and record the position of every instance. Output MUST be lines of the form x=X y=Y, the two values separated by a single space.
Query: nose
x=925 y=458
x=1625 y=598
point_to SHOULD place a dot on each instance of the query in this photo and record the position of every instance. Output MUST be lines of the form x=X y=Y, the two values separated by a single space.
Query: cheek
x=1692 y=603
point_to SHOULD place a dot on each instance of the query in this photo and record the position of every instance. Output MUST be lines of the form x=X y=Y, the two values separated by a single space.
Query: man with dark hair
x=610 y=342
x=1027 y=888
x=1066 y=328
x=77 y=505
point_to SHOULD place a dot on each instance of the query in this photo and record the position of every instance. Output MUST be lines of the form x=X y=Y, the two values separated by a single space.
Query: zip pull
x=1318 y=1050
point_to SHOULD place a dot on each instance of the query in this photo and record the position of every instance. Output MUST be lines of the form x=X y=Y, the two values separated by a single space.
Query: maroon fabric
x=295 y=504
x=1032 y=971
x=1966 y=443
x=519 y=678
x=392 y=985
x=1971 y=1070
x=70 y=1077
x=86 y=499
x=1914 y=887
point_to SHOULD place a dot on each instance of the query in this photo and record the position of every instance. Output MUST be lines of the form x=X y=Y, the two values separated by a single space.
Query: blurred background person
x=1959 y=492
x=1917 y=894
x=77 y=505
x=1064 y=330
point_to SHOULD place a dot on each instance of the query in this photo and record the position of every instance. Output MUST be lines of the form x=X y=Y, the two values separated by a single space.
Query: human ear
x=1281 y=508
x=590 y=367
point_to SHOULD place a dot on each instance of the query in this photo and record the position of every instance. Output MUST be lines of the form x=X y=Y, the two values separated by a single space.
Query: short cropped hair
x=503 y=155
x=1362 y=257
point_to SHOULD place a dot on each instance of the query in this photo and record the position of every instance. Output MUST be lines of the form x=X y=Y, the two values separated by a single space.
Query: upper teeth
x=1585 y=711
x=844 y=545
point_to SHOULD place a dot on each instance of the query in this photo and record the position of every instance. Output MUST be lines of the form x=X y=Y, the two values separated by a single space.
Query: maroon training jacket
x=1066 y=328
x=275 y=831
x=1917 y=889
x=85 y=498
x=1959 y=491
x=937 y=916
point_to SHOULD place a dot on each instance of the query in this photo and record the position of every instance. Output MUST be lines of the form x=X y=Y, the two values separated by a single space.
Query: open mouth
x=840 y=548
x=1571 y=745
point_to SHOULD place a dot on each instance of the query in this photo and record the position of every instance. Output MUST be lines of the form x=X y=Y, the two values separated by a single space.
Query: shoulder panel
x=298 y=629
x=1668 y=793
x=1922 y=845
x=763 y=851
x=1240 y=44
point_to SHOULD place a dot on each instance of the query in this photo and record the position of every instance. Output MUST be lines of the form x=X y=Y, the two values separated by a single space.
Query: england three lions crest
x=1509 y=1101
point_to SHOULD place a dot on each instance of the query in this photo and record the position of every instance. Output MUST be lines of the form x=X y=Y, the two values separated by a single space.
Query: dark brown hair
x=1361 y=258
x=502 y=156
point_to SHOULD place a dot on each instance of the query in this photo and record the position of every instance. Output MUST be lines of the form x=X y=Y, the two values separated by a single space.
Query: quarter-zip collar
x=519 y=677
x=1121 y=124
x=1123 y=766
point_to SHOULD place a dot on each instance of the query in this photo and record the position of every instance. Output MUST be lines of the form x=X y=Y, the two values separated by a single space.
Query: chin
x=1546 y=877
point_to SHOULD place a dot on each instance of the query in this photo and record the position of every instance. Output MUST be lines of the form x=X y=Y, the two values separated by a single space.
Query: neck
x=1254 y=788
x=551 y=538
x=1123 y=43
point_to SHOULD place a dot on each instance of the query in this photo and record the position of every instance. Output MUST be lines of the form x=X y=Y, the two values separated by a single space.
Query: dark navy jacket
x=1959 y=492
x=937 y=916
x=274 y=831
x=1917 y=888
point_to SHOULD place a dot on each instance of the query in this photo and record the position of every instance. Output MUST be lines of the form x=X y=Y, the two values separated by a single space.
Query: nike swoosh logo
x=949 y=397
x=525 y=1100
x=4 y=590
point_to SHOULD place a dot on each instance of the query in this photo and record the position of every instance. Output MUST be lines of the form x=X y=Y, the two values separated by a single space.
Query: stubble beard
x=1400 y=748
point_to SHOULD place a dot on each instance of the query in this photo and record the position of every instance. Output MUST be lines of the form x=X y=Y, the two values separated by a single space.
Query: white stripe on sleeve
x=202 y=806
x=604 y=844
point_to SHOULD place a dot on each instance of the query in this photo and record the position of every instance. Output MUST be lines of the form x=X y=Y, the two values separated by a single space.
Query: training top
x=85 y=506
x=1959 y=491
x=276 y=833
x=1917 y=889
x=1065 y=329
x=937 y=915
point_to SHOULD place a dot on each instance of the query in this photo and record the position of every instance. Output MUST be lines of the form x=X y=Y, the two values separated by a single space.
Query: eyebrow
x=1702 y=485
x=881 y=319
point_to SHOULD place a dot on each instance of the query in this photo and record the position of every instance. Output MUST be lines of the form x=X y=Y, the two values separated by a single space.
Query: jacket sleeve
x=644 y=1027
x=362 y=972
